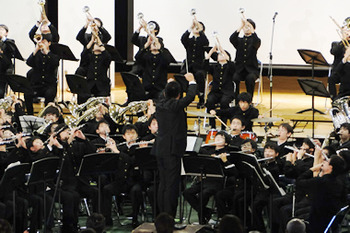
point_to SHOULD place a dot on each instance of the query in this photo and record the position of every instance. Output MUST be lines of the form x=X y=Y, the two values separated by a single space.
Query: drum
x=211 y=136
x=248 y=135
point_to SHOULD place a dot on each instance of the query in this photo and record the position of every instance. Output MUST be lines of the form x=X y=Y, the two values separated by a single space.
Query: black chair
x=334 y=226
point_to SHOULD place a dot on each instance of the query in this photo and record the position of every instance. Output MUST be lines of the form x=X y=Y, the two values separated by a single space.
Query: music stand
x=30 y=124
x=98 y=164
x=64 y=52
x=19 y=84
x=115 y=55
x=134 y=87
x=43 y=170
x=77 y=84
x=13 y=177
x=193 y=144
x=146 y=161
x=314 y=88
x=202 y=166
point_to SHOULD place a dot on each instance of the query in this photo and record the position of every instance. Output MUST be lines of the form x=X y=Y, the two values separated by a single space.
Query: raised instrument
x=266 y=119
x=118 y=114
x=297 y=150
x=38 y=36
x=149 y=29
x=340 y=30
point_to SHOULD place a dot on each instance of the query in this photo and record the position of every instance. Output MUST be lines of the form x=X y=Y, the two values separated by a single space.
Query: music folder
x=194 y=144
x=273 y=182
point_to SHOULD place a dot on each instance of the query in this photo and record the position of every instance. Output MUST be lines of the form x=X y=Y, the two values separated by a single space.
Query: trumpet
x=241 y=11
x=149 y=28
x=38 y=36
x=216 y=38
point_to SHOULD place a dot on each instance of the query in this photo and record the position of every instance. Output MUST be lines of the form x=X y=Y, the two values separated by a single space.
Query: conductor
x=170 y=144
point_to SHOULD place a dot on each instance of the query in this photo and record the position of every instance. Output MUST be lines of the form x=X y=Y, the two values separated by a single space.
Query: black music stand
x=14 y=176
x=30 y=124
x=98 y=164
x=42 y=171
x=202 y=166
x=314 y=88
x=148 y=162
x=19 y=84
x=134 y=87
x=115 y=55
x=249 y=168
x=16 y=54
x=77 y=84
x=64 y=52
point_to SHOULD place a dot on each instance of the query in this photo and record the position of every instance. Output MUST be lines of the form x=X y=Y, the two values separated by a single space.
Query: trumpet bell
x=140 y=15
x=38 y=38
x=151 y=26
x=86 y=9
x=193 y=11
x=241 y=10
x=41 y=2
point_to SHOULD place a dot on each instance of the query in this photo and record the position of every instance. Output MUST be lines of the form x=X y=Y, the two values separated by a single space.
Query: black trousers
x=47 y=91
x=224 y=202
x=169 y=167
x=332 y=81
x=249 y=79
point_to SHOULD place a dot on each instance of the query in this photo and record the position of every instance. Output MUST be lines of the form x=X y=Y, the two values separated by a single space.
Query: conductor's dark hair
x=230 y=223
x=252 y=142
x=98 y=19
x=251 y=22
x=128 y=127
x=296 y=225
x=5 y=226
x=272 y=145
x=345 y=126
x=172 y=90
x=51 y=110
x=245 y=97
x=157 y=28
x=164 y=223
x=338 y=165
x=287 y=126
x=97 y=222
x=345 y=154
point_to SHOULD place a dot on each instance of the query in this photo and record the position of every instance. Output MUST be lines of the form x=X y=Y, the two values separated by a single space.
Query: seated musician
x=210 y=185
x=103 y=131
x=285 y=130
x=236 y=127
x=95 y=62
x=250 y=146
x=222 y=90
x=75 y=146
x=327 y=190
x=344 y=137
x=296 y=164
x=245 y=109
x=126 y=178
x=261 y=199
x=43 y=75
x=152 y=129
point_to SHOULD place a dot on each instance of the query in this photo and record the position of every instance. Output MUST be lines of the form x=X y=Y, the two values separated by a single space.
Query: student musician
x=246 y=61
x=7 y=51
x=244 y=109
x=210 y=185
x=236 y=127
x=95 y=60
x=344 y=137
x=285 y=130
x=43 y=75
x=44 y=27
x=97 y=27
x=222 y=90
x=338 y=50
x=194 y=40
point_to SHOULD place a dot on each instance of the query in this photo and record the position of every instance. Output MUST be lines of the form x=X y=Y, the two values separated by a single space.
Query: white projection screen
x=299 y=24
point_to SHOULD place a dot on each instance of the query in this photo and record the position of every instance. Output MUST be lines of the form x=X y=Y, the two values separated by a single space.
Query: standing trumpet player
x=43 y=75
x=246 y=61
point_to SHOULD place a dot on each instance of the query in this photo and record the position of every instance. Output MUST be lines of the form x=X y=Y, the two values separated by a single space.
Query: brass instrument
x=6 y=103
x=78 y=110
x=340 y=112
x=118 y=114
x=241 y=11
x=43 y=127
x=38 y=36
x=149 y=28
x=340 y=29
x=88 y=115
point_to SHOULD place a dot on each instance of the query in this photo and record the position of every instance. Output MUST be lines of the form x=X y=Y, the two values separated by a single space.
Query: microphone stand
x=270 y=61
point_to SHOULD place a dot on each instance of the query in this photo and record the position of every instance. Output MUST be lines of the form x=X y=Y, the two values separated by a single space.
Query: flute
x=295 y=149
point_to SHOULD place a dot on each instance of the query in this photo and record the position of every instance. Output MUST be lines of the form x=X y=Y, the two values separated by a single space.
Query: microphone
x=274 y=16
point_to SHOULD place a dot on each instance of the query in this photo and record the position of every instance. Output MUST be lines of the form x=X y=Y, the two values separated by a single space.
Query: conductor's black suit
x=170 y=145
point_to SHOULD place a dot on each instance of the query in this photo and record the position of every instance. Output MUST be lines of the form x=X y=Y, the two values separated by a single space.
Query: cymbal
x=266 y=119
x=200 y=114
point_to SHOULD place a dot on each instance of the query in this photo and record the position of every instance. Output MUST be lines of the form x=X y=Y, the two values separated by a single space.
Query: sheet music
x=191 y=142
